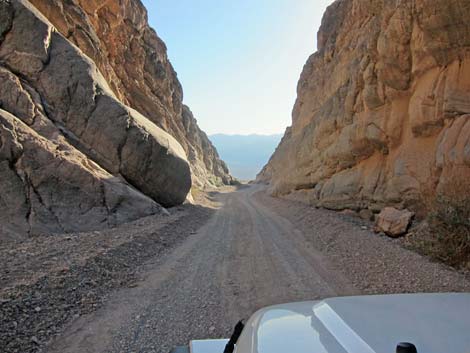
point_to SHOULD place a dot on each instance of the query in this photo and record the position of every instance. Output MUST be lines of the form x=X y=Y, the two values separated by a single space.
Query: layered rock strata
x=383 y=109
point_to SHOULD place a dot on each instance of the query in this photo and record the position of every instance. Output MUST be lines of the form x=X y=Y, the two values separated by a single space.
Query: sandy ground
x=196 y=273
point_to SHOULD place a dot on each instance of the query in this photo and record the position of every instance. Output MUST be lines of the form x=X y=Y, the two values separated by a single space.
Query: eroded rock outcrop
x=383 y=109
x=72 y=156
x=116 y=36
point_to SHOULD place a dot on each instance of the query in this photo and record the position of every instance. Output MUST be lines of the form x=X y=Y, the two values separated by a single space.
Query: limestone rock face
x=115 y=34
x=383 y=109
x=72 y=156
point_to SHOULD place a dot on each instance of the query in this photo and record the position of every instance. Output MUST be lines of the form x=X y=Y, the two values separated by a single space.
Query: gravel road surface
x=244 y=258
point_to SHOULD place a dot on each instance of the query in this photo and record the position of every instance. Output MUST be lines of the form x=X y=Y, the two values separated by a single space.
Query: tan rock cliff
x=383 y=109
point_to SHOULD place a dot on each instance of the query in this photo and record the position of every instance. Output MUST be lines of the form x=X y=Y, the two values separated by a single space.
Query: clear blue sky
x=238 y=61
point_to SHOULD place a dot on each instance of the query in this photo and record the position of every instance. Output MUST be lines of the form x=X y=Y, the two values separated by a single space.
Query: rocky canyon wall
x=116 y=35
x=383 y=109
x=91 y=135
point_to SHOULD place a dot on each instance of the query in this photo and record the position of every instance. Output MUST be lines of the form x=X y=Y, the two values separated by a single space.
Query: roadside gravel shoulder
x=375 y=264
x=49 y=281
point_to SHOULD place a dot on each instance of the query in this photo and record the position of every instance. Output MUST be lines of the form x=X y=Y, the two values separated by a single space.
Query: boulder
x=393 y=222
x=49 y=188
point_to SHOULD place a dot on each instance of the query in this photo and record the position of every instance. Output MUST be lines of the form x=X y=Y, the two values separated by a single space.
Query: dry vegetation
x=445 y=234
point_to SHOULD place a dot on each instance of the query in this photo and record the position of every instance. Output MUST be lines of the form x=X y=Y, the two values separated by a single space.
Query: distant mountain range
x=245 y=155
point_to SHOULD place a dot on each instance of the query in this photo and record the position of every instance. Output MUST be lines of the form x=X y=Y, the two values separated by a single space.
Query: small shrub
x=445 y=235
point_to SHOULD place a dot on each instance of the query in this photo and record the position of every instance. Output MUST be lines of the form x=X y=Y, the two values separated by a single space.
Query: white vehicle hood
x=434 y=323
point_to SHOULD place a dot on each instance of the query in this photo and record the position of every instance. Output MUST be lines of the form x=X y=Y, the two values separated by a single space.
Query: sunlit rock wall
x=383 y=108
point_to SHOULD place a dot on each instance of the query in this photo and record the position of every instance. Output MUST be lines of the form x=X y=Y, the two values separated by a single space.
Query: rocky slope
x=73 y=156
x=115 y=34
x=383 y=109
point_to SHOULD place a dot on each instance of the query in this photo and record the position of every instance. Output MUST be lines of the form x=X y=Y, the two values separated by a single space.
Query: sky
x=238 y=61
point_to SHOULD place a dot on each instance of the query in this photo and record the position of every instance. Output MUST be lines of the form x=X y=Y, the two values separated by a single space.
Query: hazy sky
x=238 y=61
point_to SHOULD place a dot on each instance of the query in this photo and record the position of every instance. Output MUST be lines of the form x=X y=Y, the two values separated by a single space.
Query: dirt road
x=245 y=257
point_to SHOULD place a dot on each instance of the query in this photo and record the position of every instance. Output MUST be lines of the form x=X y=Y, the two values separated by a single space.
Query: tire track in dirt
x=244 y=258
